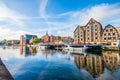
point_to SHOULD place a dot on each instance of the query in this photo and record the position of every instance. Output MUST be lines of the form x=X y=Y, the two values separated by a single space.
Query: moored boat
x=75 y=49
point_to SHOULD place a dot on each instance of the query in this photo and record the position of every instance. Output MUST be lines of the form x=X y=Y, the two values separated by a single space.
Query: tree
x=9 y=41
x=36 y=40
x=58 y=37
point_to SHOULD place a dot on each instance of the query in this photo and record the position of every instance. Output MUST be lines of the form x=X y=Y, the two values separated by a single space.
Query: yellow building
x=93 y=33
x=79 y=34
x=110 y=35
x=118 y=29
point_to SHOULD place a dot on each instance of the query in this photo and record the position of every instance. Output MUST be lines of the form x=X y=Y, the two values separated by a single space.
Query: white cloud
x=7 y=33
x=43 y=5
x=10 y=16
x=103 y=13
x=9 y=20
x=59 y=24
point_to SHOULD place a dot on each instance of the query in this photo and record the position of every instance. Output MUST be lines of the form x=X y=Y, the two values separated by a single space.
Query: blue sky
x=58 y=17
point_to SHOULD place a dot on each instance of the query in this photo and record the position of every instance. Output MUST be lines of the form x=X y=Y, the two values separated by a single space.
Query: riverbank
x=4 y=73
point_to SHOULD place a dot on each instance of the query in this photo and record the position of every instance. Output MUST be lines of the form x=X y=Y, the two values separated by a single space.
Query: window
x=108 y=34
x=114 y=38
x=95 y=25
x=81 y=39
x=109 y=38
x=106 y=30
x=88 y=38
x=96 y=38
x=111 y=30
x=104 y=38
x=113 y=33
x=104 y=34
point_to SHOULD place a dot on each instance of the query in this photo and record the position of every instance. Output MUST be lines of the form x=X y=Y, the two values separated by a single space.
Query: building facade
x=47 y=39
x=118 y=29
x=110 y=35
x=93 y=33
x=79 y=34
x=24 y=39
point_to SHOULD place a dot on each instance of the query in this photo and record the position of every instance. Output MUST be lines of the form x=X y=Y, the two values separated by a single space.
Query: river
x=28 y=63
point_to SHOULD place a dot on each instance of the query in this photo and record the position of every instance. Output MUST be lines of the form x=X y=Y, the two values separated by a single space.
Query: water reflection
x=111 y=60
x=92 y=64
x=95 y=64
x=27 y=51
x=58 y=65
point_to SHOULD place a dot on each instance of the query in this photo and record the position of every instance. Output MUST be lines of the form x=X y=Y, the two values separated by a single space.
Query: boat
x=94 y=48
x=75 y=49
x=44 y=47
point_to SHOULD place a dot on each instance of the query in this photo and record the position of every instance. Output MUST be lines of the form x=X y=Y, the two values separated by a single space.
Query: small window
x=114 y=38
x=96 y=38
x=109 y=38
x=108 y=34
x=95 y=25
x=111 y=29
x=113 y=33
x=104 y=38
x=104 y=34
x=106 y=30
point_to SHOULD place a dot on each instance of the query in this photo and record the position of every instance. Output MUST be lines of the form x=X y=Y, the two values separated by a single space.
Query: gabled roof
x=92 y=19
x=79 y=27
x=109 y=25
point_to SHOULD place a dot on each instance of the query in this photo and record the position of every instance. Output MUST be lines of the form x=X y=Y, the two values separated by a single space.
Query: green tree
x=58 y=37
x=9 y=41
x=36 y=40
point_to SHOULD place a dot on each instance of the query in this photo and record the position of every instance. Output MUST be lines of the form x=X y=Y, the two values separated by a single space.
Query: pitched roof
x=79 y=27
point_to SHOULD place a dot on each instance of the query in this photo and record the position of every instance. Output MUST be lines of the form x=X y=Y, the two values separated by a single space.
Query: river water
x=34 y=64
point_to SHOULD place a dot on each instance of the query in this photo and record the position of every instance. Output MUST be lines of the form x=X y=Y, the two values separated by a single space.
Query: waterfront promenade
x=4 y=73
